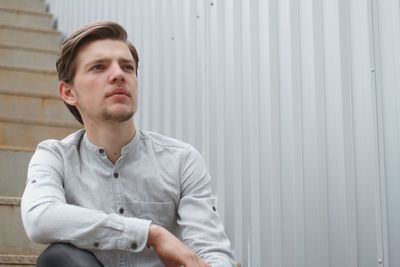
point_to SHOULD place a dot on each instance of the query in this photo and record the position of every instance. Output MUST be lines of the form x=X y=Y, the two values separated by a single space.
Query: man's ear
x=67 y=93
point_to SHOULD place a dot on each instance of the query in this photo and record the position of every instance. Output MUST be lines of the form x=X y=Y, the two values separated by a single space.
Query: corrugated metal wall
x=294 y=104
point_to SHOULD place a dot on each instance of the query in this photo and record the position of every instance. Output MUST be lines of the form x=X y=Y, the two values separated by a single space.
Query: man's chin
x=118 y=116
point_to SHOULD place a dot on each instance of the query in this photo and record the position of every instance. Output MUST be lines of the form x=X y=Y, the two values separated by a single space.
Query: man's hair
x=66 y=63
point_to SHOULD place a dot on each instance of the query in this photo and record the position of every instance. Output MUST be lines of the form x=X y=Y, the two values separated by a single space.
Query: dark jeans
x=67 y=255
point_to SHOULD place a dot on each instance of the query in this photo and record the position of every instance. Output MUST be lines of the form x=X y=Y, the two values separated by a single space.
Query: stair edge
x=42 y=122
x=17 y=148
x=18 y=259
x=32 y=49
x=29 y=94
x=10 y=201
x=32 y=70
x=29 y=29
x=34 y=13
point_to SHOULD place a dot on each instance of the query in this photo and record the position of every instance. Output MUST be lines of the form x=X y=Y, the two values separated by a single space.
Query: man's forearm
x=50 y=222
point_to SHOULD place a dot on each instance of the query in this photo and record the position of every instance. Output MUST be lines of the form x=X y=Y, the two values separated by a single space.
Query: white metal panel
x=387 y=43
x=295 y=107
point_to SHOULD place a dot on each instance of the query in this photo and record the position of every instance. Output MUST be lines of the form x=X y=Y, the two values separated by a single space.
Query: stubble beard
x=122 y=117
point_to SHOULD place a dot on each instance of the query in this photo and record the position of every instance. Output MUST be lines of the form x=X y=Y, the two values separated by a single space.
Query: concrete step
x=36 y=20
x=24 y=5
x=13 y=165
x=13 y=240
x=45 y=106
x=29 y=37
x=26 y=57
x=16 y=265
x=17 y=260
x=32 y=131
x=28 y=80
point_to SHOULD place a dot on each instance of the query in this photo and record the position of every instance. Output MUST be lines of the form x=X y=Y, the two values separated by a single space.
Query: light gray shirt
x=75 y=194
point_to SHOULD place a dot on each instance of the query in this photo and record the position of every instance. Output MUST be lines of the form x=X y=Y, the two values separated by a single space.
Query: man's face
x=105 y=85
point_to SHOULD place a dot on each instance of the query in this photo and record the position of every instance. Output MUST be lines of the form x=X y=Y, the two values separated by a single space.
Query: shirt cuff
x=135 y=234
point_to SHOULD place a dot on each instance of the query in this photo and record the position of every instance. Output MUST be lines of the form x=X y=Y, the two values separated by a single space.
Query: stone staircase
x=30 y=111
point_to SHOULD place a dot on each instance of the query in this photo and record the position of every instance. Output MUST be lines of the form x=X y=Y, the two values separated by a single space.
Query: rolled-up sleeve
x=201 y=226
x=48 y=218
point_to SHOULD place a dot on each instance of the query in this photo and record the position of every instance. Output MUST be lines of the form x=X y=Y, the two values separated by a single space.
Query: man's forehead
x=104 y=49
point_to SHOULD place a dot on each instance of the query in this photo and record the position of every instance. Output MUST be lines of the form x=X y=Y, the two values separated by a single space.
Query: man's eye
x=129 y=67
x=98 y=67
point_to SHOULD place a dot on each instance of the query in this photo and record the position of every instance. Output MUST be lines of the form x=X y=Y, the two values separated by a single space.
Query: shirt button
x=96 y=244
x=101 y=151
x=214 y=208
x=33 y=181
x=121 y=210
x=134 y=246
x=116 y=175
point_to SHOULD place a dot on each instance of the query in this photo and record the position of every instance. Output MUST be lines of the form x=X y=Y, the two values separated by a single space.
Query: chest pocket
x=160 y=213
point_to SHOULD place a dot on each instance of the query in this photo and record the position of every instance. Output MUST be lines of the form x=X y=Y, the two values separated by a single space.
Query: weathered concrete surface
x=33 y=106
x=29 y=37
x=13 y=240
x=13 y=166
x=28 y=81
x=28 y=132
x=27 y=58
x=26 y=19
x=18 y=265
x=30 y=111
x=24 y=5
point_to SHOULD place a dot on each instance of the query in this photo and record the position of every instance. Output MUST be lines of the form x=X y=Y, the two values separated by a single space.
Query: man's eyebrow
x=95 y=61
x=127 y=60
x=105 y=59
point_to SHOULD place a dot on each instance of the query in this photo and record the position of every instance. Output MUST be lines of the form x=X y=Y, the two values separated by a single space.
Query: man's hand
x=171 y=251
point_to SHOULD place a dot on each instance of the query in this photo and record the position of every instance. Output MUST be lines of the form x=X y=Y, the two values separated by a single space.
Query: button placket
x=118 y=190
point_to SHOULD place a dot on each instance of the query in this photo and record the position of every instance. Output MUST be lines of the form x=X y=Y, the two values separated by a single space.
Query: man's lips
x=119 y=91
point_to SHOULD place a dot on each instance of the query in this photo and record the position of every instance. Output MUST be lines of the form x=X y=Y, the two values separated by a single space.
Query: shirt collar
x=100 y=150
x=133 y=143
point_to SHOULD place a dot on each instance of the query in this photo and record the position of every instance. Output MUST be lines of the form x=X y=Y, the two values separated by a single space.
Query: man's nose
x=117 y=74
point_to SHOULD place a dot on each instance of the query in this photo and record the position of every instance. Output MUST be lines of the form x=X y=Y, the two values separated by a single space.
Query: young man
x=110 y=194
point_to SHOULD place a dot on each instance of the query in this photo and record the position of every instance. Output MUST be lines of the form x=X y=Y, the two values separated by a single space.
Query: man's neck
x=111 y=136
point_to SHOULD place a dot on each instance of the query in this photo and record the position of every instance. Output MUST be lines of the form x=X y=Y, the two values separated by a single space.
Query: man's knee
x=63 y=255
